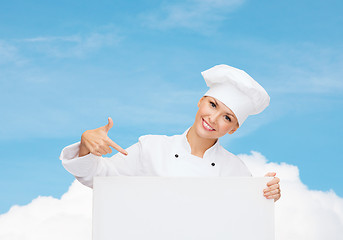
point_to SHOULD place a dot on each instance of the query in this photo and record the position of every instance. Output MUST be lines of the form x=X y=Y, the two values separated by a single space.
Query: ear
x=201 y=99
x=234 y=129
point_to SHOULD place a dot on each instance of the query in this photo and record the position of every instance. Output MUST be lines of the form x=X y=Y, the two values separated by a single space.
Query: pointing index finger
x=116 y=146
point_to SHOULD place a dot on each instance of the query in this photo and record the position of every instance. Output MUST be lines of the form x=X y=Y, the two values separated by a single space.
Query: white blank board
x=160 y=208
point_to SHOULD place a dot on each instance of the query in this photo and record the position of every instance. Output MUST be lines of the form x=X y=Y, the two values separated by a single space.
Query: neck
x=198 y=144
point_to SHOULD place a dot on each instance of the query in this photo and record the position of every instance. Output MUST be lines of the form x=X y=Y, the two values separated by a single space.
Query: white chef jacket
x=154 y=155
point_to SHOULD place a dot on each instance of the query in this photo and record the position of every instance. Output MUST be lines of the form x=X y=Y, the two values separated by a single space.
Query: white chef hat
x=237 y=90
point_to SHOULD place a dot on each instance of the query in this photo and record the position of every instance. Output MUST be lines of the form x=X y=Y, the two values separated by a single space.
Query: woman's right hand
x=97 y=142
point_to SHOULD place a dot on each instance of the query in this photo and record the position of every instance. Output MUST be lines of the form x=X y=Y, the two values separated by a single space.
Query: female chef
x=232 y=96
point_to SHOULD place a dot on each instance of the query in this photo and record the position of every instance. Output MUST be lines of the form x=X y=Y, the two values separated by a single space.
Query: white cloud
x=192 y=14
x=51 y=218
x=71 y=46
x=301 y=213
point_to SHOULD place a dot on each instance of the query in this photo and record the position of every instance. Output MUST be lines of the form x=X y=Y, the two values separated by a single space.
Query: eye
x=213 y=104
x=227 y=118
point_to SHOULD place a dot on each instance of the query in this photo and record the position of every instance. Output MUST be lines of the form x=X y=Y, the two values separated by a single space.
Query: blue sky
x=66 y=66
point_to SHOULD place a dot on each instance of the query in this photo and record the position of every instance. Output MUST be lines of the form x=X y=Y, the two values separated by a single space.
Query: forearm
x=85 y=167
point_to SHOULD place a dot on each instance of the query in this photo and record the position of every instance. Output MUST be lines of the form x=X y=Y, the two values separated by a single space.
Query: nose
x=213 y=118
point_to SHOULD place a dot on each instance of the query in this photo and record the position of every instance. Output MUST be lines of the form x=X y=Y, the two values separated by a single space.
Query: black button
x=176 y=155
x=213 y=164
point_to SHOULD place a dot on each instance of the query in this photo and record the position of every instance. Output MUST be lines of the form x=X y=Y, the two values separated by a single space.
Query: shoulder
x=233 y=162
x=153 y=138
x=228 y=156
x=226 y=153
x=157 y=140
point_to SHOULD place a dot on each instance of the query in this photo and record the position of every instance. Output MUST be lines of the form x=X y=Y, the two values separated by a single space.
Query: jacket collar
x=187 y=147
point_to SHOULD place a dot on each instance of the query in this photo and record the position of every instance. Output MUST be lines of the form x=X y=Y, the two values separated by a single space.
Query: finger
x=270 y=174
x=116 y=146
x=106 y=149
x=109 y=125
x=273 y=187
x=89 y=147
x=272 y=192
x=278 y=197
x=97 y=148
x=99 y=152
x=274 y=196
x=95 y=152
x=275 y=180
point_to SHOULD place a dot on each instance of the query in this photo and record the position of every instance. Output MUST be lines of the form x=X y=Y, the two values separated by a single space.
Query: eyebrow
x=226 y=112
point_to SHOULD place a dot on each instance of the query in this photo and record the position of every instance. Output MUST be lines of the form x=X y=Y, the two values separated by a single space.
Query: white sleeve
x=87 y=167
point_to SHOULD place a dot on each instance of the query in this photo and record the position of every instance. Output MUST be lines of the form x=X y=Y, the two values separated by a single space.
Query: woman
x=232 y=97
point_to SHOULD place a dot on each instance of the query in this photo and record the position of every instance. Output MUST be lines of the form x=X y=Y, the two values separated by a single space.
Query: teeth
x=207 y=126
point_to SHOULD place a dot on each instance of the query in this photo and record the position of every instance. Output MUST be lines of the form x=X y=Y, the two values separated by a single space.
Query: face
x=214 y=119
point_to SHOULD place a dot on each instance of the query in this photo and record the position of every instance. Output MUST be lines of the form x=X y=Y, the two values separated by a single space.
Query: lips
x=207 y=126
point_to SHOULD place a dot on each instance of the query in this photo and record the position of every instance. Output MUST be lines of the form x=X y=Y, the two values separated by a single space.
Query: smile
x=207 y=126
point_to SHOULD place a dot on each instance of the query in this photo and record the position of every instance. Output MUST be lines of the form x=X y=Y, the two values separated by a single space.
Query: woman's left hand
x=273 y=190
